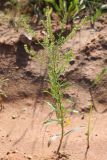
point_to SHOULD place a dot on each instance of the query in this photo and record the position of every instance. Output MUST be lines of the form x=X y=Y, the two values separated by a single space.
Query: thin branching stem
x=88 y=131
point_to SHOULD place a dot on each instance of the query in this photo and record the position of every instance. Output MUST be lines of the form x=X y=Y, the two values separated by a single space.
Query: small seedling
x=56 y=67
x=100 y=76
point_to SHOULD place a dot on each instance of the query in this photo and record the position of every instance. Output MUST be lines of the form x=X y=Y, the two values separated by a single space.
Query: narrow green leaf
x=53 y=107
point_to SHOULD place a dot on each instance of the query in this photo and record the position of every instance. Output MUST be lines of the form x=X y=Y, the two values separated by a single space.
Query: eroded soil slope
x=23 y=111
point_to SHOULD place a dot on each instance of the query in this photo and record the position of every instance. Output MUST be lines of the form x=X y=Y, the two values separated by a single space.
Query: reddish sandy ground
x=22 y=134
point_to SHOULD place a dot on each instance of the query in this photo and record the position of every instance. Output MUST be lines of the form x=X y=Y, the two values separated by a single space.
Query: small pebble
x=72 y=62
x=16 y=67
x=82 y=117
x=29 y=157
x=8 y=153
x=15 y=151
x=14 y=117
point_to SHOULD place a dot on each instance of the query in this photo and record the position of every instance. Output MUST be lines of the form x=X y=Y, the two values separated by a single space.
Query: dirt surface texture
x=24 y=109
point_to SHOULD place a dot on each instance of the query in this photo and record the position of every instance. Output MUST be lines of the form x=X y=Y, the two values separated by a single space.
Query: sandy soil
x=22 y=134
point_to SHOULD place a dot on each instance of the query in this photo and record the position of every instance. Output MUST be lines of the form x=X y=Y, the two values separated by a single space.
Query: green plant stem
x=62 y=130
x=61 y=140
